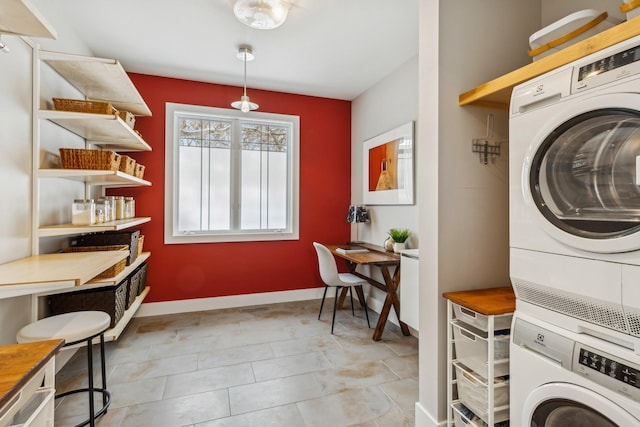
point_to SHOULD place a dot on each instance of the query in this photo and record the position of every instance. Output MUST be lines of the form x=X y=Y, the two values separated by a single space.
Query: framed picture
x=388 y=167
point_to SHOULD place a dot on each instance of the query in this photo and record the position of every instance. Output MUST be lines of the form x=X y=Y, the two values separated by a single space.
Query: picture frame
x=388 y=167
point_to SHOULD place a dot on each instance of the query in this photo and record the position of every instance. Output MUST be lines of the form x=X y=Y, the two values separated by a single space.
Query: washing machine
x=574 y=188
x=562 y=379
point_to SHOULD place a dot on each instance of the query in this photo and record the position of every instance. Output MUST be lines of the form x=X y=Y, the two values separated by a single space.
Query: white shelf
x=69 y=229
x=99 y=79
x=20 y=17
x=95 y=177
x=106 y=130
x=56 y=271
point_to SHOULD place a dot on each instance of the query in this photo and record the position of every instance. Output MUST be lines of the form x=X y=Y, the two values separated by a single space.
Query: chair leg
x=366 y=312
x=322 y=303
x=353 y=313
x=105 y=401
x=335 y=303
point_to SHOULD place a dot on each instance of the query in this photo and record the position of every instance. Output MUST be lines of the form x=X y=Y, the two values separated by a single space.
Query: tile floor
x=271 y=365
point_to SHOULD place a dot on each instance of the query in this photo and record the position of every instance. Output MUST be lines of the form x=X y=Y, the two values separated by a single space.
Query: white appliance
x=574 y=188
x=560 y=379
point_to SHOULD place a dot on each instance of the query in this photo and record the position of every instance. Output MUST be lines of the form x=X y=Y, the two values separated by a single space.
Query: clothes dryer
x=574 y=188
x=559 y=378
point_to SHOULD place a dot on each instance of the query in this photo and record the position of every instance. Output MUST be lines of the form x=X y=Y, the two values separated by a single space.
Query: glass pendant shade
x=245 y=105
x=261 y=14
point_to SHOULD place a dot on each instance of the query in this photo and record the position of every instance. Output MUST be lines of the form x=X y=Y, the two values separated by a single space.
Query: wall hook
x=487 y=147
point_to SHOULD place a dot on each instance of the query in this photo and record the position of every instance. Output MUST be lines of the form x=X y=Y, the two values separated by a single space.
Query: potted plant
x=399 y=237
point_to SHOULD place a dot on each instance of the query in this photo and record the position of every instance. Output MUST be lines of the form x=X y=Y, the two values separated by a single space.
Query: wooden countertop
x=20 y=362
x=497 y=92
x=490 y=301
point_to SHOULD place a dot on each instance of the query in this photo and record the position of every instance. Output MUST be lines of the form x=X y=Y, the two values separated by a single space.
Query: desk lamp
x=357 y=214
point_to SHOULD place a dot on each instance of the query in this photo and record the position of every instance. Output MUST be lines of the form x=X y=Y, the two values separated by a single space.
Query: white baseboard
x=233 y=301
x=424 y=419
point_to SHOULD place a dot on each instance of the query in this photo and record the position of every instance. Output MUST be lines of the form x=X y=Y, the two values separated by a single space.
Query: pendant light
x=245 y=105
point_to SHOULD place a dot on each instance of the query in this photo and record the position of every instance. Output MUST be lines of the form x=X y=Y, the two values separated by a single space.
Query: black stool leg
x=92 y=416
x=353 y=313
x=104 y=373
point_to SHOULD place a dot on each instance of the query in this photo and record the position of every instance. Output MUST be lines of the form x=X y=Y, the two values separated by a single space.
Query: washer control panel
x=607 y=370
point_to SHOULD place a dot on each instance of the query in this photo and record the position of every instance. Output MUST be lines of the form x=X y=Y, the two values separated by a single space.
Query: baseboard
x=232 y=301
x=424 y=419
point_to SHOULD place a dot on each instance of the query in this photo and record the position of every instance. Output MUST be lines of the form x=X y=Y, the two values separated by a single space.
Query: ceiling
x=328 y=48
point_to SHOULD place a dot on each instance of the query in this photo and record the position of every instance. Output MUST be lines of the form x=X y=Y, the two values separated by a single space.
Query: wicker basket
x=128 y=118
x=83 y=106
x=127 y=165
x=78 y=158
x=112 y=271
x=139 y=173
x=107 y=238
x=134 y=283
x=142 y=277
x=140 y=244
x=110 y=299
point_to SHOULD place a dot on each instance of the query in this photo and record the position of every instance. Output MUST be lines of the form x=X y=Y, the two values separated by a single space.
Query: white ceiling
x=328 y=48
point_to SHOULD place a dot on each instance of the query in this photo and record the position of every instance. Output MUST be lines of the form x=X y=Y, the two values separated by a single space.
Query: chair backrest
x=327 y=266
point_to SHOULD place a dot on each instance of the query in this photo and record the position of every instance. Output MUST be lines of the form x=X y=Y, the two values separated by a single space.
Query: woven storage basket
x=110 y=299
x=134 y=283
x=128 y=118
x=127 y=165
x=125 y=237
x=79 y=158
x=139 y=173
x=83 y=106
x=112 y=271
x=142 y=277
x=140 y=244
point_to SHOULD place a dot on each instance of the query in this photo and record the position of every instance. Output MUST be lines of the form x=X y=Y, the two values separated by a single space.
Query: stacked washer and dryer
x=574 y=188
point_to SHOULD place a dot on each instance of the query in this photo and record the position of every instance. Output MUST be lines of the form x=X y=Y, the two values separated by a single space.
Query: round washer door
x=582 y=177
x=563 y=404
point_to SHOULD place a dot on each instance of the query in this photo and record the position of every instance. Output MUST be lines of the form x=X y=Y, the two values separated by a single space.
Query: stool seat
x=71 y=327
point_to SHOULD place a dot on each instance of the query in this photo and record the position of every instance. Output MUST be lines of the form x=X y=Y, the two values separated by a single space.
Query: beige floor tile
x=215 y=357
x=180 y=411
x=127 y=372
x=136 y=392
x=280 y=416
x=208 y=379
x=345 y=409
x=290 y=365
x=304 y=345
x=267 y=394
x=403 y=366
x=359 y=375
x=404 y=394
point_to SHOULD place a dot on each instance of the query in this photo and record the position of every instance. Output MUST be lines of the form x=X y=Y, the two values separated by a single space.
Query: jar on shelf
x=112 y=207
x=83 y=212
x=103 y=210
x=120 y=210
x=129 y=207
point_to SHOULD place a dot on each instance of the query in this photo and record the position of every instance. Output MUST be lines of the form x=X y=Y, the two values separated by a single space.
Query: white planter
x=397 y=247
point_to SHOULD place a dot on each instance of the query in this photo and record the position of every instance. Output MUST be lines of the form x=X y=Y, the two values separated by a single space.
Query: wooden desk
x=384 y=260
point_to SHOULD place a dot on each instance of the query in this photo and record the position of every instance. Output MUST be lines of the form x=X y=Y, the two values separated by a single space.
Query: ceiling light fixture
x=261 y=14
x=245 y=105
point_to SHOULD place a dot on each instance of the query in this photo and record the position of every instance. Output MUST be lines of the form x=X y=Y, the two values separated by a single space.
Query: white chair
x=331 y=277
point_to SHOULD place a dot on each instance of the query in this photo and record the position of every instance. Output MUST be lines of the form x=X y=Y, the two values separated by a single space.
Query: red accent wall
x=183 y=271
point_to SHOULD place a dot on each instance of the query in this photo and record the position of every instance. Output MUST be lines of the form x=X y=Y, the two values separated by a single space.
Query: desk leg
x=390 y=300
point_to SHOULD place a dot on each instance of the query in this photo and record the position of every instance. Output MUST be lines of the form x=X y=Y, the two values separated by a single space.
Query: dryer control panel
x=607 y=69
x=607 y=370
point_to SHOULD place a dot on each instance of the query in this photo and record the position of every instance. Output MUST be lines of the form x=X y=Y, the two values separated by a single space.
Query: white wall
x=16 y=159
x=390 y=103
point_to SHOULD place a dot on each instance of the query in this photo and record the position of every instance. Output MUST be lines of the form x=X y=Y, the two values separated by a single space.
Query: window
x=230 y=176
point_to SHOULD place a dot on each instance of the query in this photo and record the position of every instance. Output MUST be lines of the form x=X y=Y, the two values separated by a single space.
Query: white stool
x=74 y=328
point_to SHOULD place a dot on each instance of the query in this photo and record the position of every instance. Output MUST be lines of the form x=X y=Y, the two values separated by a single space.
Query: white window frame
x=171 y=233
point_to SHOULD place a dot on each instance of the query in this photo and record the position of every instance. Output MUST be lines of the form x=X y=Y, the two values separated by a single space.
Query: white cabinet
x=478 y=331
x=409 y=287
